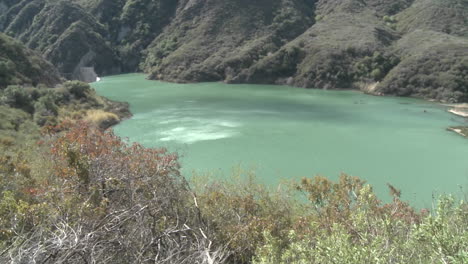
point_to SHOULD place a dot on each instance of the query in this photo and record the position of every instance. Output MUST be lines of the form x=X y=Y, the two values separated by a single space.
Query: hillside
x=71 y=191
x=215 y=40
x=19 y=65
x=33 y=95
x=381 y=47
x=106 y=35
x=64 y=33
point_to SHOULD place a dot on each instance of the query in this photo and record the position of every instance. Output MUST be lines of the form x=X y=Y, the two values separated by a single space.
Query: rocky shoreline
x=460 y=110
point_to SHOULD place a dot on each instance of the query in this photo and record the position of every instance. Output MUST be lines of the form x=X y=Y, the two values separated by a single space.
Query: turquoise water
x=283 y=132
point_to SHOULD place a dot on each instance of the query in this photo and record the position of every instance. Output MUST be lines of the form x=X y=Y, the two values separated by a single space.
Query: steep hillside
x=132 y=25
x=447 y=16
x=403 y=47
x=328 y=54
x=66 y=34
x=107 y=35
x=433 y=52
x=32 y=94
x=19 y=65
x=433 y=65
x=213 y=40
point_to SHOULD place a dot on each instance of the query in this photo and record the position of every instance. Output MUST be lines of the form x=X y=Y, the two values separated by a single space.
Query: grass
x=101 y=118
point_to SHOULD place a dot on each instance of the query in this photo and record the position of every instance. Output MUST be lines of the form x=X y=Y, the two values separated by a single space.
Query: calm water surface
x=288 y=133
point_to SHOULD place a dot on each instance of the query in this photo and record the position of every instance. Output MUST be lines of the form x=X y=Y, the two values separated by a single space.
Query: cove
x=284 y=132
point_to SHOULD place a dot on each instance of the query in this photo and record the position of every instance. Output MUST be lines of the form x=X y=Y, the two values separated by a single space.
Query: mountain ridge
x=325 y=44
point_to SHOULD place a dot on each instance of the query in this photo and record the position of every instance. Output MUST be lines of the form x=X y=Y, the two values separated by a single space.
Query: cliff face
x=401 y=47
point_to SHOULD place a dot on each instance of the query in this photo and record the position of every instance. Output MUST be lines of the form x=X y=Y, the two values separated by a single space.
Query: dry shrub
x=101 y=118
x=109 y=202
x=7 y=141
x=241 y=210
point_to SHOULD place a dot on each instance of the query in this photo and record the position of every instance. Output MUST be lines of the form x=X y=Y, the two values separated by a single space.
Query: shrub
x=350 y=226
x=77 y=88
x=6 y=72
x=241 y=210
x=101 y=119
x=108 y=202
x=376 y=66
x=17 y=97
x=92 y=197
x=7 y=140
x=45 y=110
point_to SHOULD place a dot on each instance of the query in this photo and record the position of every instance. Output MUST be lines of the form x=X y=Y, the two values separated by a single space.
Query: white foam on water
x=194 y=134
x=229 y=124
x=249 y=111
x=184 y=125
x=191 y=130
x=179 y=129
x=170 y=121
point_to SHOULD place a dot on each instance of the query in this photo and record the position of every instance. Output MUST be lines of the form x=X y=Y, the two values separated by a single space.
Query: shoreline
x=462 y=113
x=368 y=89
x=459 y=130
x=458 y=109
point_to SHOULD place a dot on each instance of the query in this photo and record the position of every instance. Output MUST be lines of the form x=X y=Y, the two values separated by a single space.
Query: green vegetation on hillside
x=19 y=65
x=314 y=44
x=434 y=70
x=234 y=36
x=447 y=16
x=26 y=102
x=106 y=35
x=24 y=110
x=64 y=33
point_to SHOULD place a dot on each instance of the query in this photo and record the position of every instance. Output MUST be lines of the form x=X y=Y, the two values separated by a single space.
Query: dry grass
x=101 y=118
x=7 y=141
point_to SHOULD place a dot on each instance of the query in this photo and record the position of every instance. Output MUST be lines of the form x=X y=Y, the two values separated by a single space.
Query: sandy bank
x=459 y=112
x=458 y=131
x=458 y=109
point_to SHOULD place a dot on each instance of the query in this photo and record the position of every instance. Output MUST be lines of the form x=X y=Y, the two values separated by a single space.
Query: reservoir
x=282 y=132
